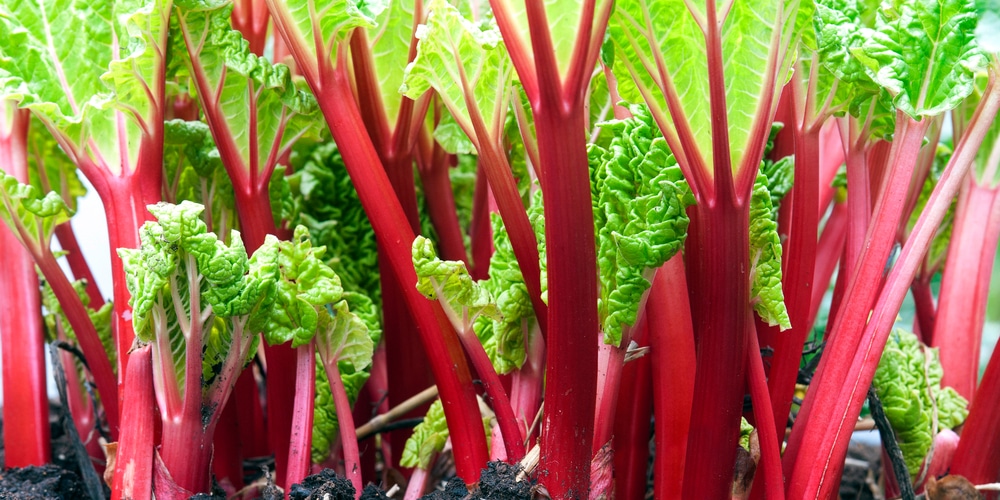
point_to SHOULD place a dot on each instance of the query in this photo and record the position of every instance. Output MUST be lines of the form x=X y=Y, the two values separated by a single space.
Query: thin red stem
x=133 y=477
x=300 y=445
x=345 y=425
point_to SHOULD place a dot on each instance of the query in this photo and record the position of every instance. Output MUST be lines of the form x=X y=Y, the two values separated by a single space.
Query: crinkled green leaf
x=504 y=339
x=327 y=204
x=908 y=381
x=193 y=171
x=745 y=430
x=765 y=257
x=180 y=264
x=344 y=337
x=923 y=53
x=254 y=108
x=306 y=287
x=450 y=281
x=451 y=47
x=640 y=198
x=26 y=206
x=48 y=166
x=427 y=440
x=669 y=27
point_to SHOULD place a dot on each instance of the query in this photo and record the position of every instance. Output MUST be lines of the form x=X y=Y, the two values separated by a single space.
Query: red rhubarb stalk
x=632 y=425
x=26 y=409
x=345 y=425
x=133 y=463
x=822 y=445
x=300 y=445
x=962 y=311
x=672 y=351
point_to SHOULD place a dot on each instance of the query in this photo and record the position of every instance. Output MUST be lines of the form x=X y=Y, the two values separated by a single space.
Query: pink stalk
x=133 y=464
x=417 y=485
x=962 y=311
x=300 y=445
x=672 y=351
x=26 y=408
x=345 y=425
x=976 y=457
x=828 y=252
x=250 y=18
x=823 y=445
x=923 y=301
x=768 y=478
x=526 y=383
x=632 y=426
x=78 y=264
x=860 y=294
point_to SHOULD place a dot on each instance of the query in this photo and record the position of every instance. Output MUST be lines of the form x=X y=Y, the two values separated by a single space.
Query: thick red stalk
x=822 y=449
x=345 y=425
x=447 y=361
x=250 y=18
x=440 y=202
x=26 y=409
x=799 y=262
x=861 y=291
x=526 y=382
x=719 y=246
x=976 y=457
x=571 y=381
x=480 y=229
x=672 y=352
x=859 y=202
x=632 y=427
x=133 y=477
x=300 y=445
x=227 y=446
x=962 y=310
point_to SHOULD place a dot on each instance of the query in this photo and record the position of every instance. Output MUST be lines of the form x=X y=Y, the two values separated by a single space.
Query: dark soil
x=49 y=482
x=454 y=489
x=326 y=485
x=499 y=481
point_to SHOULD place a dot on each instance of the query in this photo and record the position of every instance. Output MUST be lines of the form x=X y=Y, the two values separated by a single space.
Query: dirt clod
x=454 y=490
x=499 y=481
x=48 y=482
x=326 y=485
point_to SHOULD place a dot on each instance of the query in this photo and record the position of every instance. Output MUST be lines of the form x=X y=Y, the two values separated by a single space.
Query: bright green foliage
x=59 y=60
x=908 y=381
x=318 y=34
x=640 y=197
x=564 y=18
x=253 y=106
x=460 y=59
x=390 y=49
x=306 y=287
x=923 y=53
x=184 y=281
x=988 y=29
x=765 y=257
x=504 y=339
x=49 y=168
x=193 y=171
x=31 y=216
x=427 y=440
x=962 y=117
x=328 y=205
x=745 y=430
x=449 y=281
x=754 y=35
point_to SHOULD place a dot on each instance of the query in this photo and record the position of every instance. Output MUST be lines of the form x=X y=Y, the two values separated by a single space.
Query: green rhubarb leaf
x=924 y=54
x=938 y=250
x=962 y=118
x=452 y=49
x=31 y=216
x=317 y=27
x=344 y=337
x=306 y=287
x=640 y=198
x=746 y=428
x=180 y=265
x=765 y=257
x=908 y=381
x=988 y=29
x=193 y=171
x=428 y=439
x=57 y=324
x=504 y=339
x=254 y=108
x=327 y=204
x=755 y=36
x=390 y=50
x=48 y=166
x=450 y=282
x=563 y=17
x=80 y=66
